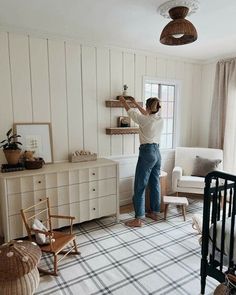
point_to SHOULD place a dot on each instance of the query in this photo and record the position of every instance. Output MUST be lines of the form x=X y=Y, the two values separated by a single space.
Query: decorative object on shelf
x=178 y=31
x=11 y=148
x=32 y=162
x=122 y=130
x=123 y=121
x=18 y=267
x=125 y=88
x=82 y=156
x=117 y=104
x=125 y=93
x=36 y=137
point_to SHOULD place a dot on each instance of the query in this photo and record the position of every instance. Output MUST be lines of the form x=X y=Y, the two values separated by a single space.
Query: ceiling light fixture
x=178 y=31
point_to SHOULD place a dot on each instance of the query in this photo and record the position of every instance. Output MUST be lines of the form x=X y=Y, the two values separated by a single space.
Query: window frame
x=177 y=85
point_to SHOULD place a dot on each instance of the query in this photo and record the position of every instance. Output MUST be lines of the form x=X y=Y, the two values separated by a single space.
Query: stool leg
x=184 y=212
x=165 y=210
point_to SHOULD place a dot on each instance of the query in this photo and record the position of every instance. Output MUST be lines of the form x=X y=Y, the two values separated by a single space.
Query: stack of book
x=11 y=168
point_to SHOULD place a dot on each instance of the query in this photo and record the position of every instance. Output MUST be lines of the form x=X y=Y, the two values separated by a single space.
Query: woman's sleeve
x=136 y=117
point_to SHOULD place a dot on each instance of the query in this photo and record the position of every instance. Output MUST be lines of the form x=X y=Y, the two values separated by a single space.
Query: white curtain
x=223 y=115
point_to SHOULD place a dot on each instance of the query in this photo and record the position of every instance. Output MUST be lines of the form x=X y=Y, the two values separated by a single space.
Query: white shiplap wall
x=66 y=83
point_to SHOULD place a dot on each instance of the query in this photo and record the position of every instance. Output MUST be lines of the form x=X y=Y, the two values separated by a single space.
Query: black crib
x=218 y=210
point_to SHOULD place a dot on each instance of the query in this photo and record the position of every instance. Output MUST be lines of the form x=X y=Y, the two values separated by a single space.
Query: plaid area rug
x=162 y=257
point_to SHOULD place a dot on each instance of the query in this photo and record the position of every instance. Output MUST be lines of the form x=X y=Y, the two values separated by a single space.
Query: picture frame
x=36 y=137
x=123 y=121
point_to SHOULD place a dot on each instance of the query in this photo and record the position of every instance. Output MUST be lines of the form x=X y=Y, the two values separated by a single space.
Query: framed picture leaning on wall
x=36 y=137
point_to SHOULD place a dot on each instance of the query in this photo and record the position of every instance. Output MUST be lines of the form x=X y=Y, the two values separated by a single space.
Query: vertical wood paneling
x=151 y=66
x=161 y=68
x=20 y=71
x=6 y=114
x=128 y=140
x=103 y=93
x=56 y=51
x=74 y=97
x=40 y=80
x=140 y=72
x=89 y=98
x=170 y=69
x=116 y=89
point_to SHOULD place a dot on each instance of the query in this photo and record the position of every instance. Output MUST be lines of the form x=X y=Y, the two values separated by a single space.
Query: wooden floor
x=126 y=208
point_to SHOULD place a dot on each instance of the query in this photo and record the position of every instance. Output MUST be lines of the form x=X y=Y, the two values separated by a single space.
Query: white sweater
x=150 y=126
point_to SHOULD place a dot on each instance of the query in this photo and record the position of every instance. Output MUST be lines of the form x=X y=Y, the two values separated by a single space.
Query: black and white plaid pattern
x=162 y=257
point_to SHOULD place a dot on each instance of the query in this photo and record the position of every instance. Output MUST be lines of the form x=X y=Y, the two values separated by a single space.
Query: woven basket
x=37 y=164
x=26 y=284
x=221 y=289
x=18 y=258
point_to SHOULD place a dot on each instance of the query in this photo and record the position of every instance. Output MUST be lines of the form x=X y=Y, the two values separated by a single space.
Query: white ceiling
x=125 y=23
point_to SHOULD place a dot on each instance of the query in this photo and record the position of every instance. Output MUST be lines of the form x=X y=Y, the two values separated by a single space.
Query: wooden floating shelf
x=115 y=103
x=122 y=130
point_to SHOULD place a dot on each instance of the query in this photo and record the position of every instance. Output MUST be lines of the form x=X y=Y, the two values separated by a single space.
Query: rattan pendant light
x=178 y=31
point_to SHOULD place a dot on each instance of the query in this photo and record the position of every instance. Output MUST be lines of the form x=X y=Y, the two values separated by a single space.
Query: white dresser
x=86 y=190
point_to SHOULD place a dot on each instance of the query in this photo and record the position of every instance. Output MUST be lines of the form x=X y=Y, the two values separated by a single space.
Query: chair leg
x=55 y=264
x=184 y=212
x=75 y=246
x=165 y=210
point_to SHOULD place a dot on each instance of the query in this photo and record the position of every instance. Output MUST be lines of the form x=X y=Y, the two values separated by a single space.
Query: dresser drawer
x=83 y=175
x=85 y=210
x=107 y=172
x=36 y=182
x=107 y=205
x=57 y=197
x=91 y=174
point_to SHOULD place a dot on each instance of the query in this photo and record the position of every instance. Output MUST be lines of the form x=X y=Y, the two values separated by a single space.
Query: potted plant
x=11 y=148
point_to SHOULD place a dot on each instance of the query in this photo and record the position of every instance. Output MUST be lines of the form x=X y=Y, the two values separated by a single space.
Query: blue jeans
x=147 y=172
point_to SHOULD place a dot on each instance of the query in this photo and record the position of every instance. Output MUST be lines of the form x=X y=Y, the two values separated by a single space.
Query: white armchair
x=182 y=181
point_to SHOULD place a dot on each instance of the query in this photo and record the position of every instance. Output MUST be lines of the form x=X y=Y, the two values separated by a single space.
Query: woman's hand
x=124 y=103
x=132 y=99
x=122 y=99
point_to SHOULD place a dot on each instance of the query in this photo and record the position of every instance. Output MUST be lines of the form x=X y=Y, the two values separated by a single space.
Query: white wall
x=66 y=83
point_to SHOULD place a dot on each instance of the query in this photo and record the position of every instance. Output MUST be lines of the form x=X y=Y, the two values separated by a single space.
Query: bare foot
x=152 y=215
x=134 y=223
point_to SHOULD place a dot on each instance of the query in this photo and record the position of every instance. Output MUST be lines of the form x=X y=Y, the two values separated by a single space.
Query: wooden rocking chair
x=59 y=242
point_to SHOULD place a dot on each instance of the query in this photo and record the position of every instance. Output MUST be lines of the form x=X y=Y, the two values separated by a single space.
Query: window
x=167 y=94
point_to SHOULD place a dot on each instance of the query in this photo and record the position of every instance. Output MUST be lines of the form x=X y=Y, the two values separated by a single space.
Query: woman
x=149 y=161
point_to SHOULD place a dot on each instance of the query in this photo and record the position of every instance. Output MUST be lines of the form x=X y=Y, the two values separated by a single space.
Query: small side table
x=163 y=186
x=181 y=201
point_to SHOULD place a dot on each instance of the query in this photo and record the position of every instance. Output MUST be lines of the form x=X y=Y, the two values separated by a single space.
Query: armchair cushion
x=202 y=166
x=192 y=182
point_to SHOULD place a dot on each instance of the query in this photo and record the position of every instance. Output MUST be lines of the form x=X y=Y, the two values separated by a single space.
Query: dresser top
x=59 y=167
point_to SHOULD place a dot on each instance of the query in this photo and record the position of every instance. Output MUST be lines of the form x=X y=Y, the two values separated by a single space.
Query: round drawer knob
x=93 y=173
x=93 y=189
x=94 y=209
x=40 y=200
x=39 y=181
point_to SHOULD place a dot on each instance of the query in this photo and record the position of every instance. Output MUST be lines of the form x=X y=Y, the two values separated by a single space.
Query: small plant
x=10 y=143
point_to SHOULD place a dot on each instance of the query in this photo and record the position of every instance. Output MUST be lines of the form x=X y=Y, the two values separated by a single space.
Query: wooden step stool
x=181 y=201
